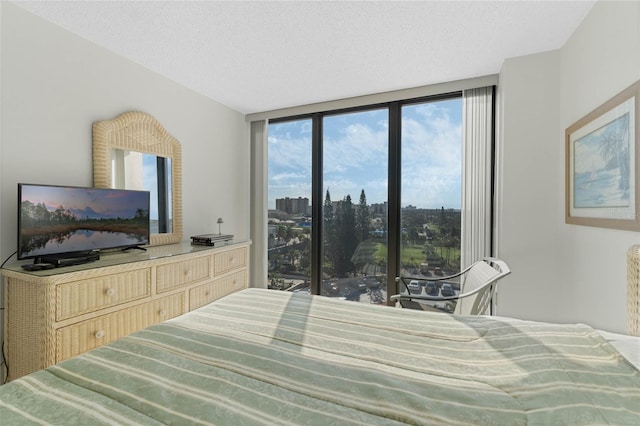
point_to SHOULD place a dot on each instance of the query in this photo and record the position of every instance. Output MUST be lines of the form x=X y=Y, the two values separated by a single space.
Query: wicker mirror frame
x=140 y=132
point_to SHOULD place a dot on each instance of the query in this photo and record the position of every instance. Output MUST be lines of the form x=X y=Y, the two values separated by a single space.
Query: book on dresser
x=54 y=314
x=211 y=239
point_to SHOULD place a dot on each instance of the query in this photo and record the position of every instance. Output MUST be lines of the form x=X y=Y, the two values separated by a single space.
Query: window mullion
x=316 y=204
x=393 y=197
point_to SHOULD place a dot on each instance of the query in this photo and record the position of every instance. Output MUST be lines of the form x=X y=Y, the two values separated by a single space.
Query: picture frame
x=601 y=164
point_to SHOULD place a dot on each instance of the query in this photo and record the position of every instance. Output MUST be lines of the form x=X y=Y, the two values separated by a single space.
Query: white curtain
x=477 y=133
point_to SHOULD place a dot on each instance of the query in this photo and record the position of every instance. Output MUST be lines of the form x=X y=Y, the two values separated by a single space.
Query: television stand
x=116 y=296
x=134 y=248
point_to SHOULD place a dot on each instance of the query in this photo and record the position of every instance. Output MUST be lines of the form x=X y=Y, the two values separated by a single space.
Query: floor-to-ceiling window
x=362 y=165
x=289 y=203
x=355 y=149
x=431 y=195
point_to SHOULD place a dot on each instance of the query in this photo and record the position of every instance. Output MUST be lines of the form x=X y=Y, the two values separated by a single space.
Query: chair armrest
x=448 y=277
x=422 y=297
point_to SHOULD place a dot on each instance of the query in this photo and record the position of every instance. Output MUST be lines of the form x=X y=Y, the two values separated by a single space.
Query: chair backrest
x=482 y=275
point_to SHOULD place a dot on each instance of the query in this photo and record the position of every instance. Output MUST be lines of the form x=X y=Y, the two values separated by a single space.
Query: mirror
x=148 y=172
x=133 y=151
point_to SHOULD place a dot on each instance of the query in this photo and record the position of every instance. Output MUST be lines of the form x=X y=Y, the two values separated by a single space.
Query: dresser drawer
x=201 y=295
x=80 y=297
x=181 y=273
x=84 y=336
x=229 y=260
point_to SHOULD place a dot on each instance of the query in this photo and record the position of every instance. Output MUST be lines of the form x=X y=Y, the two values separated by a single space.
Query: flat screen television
x=66 y=221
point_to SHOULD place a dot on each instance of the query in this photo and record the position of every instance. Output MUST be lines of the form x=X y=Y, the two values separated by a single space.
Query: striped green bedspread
x=270 y=357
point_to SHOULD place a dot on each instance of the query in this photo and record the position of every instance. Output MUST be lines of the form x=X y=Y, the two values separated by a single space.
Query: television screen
x=58 y=220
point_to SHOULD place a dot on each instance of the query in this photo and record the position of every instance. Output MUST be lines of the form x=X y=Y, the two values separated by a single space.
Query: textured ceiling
x=264 y=55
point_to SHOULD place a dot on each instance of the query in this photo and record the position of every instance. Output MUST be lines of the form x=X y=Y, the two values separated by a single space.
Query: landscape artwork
x=602 y=165
x=601 y=177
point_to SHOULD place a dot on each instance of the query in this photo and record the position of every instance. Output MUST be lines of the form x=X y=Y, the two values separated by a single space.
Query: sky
x=355 y=150
x=87 y=202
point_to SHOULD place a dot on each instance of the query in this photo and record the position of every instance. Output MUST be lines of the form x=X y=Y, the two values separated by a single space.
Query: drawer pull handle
x=110 y=292
x=162 y=312
x=99 y=334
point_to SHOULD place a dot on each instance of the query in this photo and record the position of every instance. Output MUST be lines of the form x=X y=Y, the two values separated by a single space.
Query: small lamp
x=220 y=222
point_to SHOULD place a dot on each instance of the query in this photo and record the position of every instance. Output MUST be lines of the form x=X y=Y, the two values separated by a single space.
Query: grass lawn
x=410 y=254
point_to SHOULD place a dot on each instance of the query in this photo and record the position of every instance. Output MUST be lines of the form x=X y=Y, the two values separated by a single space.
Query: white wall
x=55 y=85
x=529 y=181
x=562 y=273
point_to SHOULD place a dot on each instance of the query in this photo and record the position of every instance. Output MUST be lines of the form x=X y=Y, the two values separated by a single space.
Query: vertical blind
x=477 y=147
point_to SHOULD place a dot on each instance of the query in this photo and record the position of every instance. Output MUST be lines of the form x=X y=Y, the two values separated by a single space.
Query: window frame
x=394 y=169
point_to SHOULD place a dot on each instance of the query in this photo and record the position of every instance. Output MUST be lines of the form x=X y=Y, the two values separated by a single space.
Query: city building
x=298 y=205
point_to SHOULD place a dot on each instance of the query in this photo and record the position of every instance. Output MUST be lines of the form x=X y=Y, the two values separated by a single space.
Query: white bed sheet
x=628 y=346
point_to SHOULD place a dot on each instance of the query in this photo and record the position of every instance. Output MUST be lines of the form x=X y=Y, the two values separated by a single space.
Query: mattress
x=270 y=357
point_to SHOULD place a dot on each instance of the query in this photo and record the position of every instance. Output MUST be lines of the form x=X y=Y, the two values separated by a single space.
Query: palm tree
x=615 y=144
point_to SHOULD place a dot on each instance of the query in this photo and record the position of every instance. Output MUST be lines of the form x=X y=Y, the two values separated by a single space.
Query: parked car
x=414 y=286
x=431 y=288
x=447 y=290
x=424 y=269
x=334 y=289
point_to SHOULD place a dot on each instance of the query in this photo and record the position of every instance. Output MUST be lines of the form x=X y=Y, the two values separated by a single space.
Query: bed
x=270 y=357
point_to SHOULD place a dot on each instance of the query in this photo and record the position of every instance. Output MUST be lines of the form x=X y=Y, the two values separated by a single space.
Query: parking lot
x=368 y=289
x=426 y=287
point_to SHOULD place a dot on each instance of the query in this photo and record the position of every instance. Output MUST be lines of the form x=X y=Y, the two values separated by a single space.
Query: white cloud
x=356 y=156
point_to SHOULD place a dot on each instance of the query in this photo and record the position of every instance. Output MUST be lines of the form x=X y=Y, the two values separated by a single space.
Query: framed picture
x=602 y=158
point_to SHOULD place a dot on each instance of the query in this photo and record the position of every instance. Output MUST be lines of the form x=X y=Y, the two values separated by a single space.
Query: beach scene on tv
x=57 y=220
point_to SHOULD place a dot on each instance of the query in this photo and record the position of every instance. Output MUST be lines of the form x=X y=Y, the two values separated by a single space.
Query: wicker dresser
x=55 y=314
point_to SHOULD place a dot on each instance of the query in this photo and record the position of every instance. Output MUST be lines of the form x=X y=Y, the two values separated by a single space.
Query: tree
x=141 y=214
x=330 y=243
x=363 y=218
x=327 y=210
x=58 y=215
x=41 y=214
x=346 y=241
x=305 y=257
x=412 y=234
x=28 y=212
x=282 y=233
